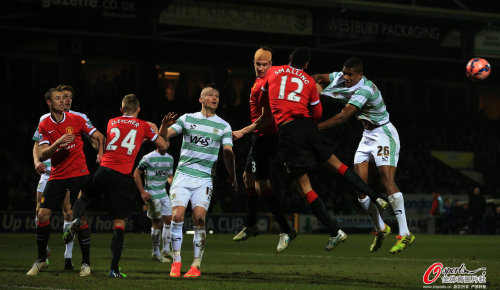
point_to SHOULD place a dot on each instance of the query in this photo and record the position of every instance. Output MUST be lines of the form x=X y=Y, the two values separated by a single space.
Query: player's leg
x=40 y=188
x=199 y=238
x=250 y=229
x=52 y=198
x=319 y=210
x=405 y=238
x=68 y=217
x=117 y=247
x=178 y=213
x=154 y=214
x=336 y=165
x=287 y=234
x=368 y=205
x=166 y=237
x=82 y=229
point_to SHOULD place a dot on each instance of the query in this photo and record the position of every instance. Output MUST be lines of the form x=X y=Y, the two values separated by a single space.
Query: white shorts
x=186 y=188
x=43 y=181
x=159 y=207
x=380 y=145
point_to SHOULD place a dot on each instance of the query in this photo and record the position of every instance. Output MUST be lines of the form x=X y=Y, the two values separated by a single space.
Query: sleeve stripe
x=154 y=137
x=92 y=131
x=44 y=142
x=314 y=103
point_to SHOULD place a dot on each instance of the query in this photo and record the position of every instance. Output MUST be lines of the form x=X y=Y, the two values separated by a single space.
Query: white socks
x=372 y=211
x=68 y=253
x=398 y=204
x=167 y=241
x=156 y=239
x=199 y=239
x=176 y=235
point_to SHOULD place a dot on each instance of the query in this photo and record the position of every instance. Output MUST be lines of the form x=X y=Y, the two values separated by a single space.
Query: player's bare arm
x=264 y=120
x=170 y=179
x=322 y=79
x=339 y=118
x=39 y=166
x=229 y=162
x=99 y=140
x=47 y=151
x=138 y=181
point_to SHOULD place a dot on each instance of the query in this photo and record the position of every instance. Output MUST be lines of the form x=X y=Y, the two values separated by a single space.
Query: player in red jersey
x=260 y=158
x=61 y=140
x=295 y=106
x=114 y=179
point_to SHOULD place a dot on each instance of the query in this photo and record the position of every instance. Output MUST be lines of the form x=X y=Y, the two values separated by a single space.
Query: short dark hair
x=300 y=57
x=48 y=93
x=354 y=62
x=62 y=87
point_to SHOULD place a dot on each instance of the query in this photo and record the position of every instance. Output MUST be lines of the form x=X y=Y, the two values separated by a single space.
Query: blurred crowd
x=418 y=171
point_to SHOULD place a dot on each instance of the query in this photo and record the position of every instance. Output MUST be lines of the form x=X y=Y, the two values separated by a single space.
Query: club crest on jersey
x=69 y=130
x=201 y=140
x=216 y=131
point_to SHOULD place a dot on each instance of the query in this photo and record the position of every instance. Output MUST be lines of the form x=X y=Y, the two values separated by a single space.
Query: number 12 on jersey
x=128 y=141
x=292 y=96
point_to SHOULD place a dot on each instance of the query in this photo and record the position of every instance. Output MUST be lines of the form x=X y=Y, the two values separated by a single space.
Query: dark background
x=120 y=47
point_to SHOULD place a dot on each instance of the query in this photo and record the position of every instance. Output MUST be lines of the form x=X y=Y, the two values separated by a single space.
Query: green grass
x=253 y=264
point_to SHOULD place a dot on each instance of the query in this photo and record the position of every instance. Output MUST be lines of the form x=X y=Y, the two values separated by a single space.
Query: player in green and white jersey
x=43 y=168
x=157 y=168
x=203 y=134
x=379 y=144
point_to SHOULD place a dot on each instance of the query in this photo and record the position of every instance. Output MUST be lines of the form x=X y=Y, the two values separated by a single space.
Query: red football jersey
x=124 y=138
x=291 y=93
x=68 y=161
x=256 y=108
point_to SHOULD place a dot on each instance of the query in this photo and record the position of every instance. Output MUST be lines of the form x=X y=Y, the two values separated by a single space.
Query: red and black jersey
x=68 y=161
x=292 y=93
x=256 y=105
x=124 y=138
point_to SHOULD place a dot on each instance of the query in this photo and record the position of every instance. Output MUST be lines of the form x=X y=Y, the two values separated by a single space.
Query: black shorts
x=303 y=145
x=260 y=157
x=117 y=189
x=55 y=191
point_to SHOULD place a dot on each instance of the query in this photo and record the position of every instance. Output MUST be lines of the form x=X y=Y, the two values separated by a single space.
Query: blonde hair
x=130 y=103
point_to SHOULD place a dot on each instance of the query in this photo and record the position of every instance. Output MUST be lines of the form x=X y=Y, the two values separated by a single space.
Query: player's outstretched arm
x=138 y=181
x=264 y=120
x=167 y=121
x=322 y=79
x=229 y=161
x=39 y=166
x=99 y=140
x=340 y=118
x=47 y=151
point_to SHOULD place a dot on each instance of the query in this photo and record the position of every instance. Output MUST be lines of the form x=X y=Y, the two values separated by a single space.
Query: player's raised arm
x=339 y=118
x=264 y=120
x=322 y=79
x=229 y=162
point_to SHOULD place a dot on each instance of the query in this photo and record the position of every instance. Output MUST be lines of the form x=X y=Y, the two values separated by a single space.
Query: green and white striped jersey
x=157 y=168
x=202 y=139
x=37 y=136
x=365 y=95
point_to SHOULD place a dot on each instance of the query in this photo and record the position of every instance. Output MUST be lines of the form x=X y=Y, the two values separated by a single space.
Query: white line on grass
x=31 y=287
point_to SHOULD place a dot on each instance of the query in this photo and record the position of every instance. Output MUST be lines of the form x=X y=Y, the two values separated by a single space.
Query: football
x=477 y=69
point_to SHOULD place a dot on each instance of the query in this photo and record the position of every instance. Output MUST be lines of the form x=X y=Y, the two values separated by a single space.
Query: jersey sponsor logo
x=69 y=130
x=193 y=126
x=201 y=140
x=161 y=172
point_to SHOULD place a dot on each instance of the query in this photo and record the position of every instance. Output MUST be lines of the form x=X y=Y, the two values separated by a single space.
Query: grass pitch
x=253 y=264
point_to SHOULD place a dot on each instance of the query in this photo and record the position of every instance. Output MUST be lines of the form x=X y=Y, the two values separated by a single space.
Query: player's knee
x=68 y=215
x=178 y=218
x=199 y=221
x=43 y=215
